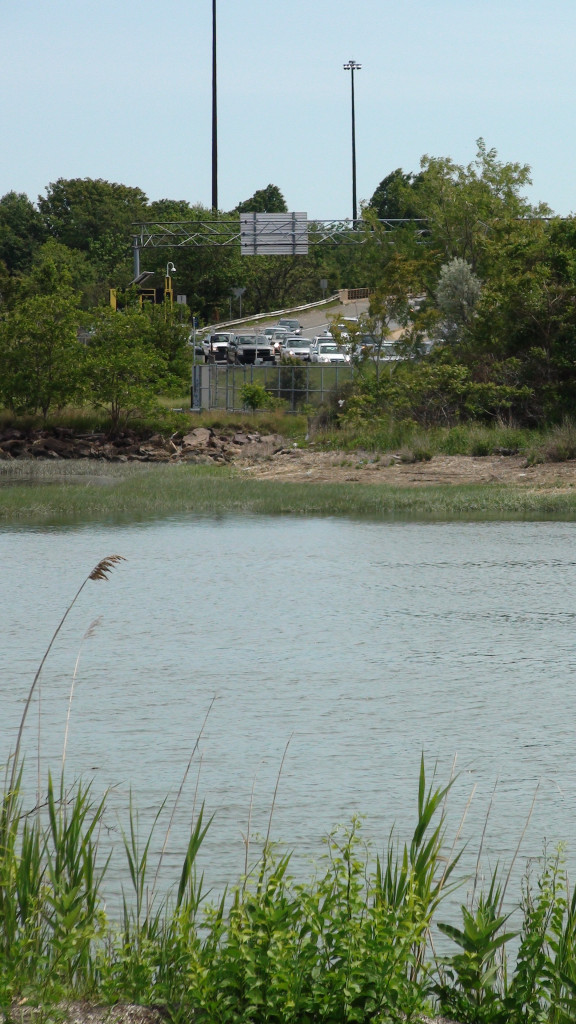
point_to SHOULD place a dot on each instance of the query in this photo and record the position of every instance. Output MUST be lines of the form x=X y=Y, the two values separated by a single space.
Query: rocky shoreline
x=276 y=458
x=201 y=445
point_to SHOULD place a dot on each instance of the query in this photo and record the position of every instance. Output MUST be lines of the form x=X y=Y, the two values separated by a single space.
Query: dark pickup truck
x=254 y=348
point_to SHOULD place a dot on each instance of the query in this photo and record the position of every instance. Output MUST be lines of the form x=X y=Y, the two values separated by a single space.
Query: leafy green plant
x=254 y=396
x=471 y=980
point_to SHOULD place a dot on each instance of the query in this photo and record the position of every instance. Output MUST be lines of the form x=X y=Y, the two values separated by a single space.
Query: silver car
x=297 y=348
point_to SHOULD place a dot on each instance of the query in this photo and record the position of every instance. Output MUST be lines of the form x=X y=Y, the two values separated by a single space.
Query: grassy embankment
x=354 y=943
x=107 y=490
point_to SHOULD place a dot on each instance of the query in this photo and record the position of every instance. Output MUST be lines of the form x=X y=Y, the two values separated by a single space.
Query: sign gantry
x=261 y=233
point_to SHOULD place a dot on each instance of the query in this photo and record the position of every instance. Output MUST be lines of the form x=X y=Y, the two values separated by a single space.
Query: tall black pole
x=214 y=115
x=352 y=66
x=354 y=205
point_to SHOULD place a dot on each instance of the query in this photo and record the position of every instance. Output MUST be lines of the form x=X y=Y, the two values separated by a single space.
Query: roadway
x=315 y=321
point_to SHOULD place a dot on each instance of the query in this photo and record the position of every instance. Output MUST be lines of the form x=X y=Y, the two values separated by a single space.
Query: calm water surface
x=360 y=645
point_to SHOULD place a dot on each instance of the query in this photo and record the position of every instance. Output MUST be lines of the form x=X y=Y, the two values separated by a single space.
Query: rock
x=197 y=438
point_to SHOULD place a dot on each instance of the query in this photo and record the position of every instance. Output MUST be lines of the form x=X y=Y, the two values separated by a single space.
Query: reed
x=353 y=943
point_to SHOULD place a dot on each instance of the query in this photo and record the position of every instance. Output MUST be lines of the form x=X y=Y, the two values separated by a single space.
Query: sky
x=123 y=91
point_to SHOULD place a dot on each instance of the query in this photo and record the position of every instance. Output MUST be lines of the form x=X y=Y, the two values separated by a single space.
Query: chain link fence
x=216 y=386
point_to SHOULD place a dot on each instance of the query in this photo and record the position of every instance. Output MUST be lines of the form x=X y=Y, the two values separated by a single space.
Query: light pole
x=352 y=66
x=168 y=290
x=214 y=116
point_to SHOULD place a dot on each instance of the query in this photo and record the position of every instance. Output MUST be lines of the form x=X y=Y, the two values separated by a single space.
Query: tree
x=390 y=311
x=457 y=295
x=21 y=231
x=526 y=314
x=125 y=371
x=465 y=206
x=79 y=211
x=56 y=266
x=264 y=200
x=397 y=196
x=276 y=282
x=40 y=355
x=169 y=333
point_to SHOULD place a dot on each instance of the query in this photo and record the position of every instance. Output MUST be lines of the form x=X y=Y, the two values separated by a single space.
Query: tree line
x=494 y=276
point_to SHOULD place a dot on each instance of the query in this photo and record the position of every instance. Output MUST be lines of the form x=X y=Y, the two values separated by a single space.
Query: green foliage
x=40 y=356
x=457 y=293
x=291 y=385
x=255 y=396
x=169 y=333
x=21 y=231
x=335 y=950
x=56 y=267
x=276 y=282
x=559 y=445
x=471 y=981
x=264 y=200
x=396 y=196
x=438 y=392
x=125 y=370
x=464 y=205
x=79 y=211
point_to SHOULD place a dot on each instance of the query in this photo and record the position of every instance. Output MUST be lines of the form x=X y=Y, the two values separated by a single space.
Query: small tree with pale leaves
x=457 y=294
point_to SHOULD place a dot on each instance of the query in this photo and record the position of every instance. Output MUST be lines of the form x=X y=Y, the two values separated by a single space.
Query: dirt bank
x=272 y=457
x=299 y=465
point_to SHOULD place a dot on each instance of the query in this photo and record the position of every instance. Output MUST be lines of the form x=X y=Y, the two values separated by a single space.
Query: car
x=254 y=348
x=278 y=339
x=297 y=348
x=219 y=347
x=269 y=331
x=329 y=352
x=294 y=326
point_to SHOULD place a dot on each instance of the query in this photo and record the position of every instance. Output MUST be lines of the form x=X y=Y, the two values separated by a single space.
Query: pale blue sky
x=122 y=90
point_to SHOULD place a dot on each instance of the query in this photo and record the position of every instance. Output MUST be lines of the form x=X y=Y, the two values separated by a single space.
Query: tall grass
x=354 y=943
x=135 y=492
x=470 y=439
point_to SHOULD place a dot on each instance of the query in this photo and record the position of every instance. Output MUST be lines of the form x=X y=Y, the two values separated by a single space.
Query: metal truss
x=187 y=234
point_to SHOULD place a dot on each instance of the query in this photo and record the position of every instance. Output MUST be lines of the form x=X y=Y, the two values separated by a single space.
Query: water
x=358 y=646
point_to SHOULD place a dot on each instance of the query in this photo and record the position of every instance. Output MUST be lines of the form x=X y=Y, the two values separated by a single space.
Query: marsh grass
x=354 y=943
x=136 y=492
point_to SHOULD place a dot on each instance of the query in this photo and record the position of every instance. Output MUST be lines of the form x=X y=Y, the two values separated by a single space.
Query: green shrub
x=255 y=396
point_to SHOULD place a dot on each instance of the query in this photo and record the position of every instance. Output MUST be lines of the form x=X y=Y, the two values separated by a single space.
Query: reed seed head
x=104 y=567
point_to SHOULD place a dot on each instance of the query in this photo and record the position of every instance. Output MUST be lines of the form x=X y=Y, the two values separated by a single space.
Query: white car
x=329 y=352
